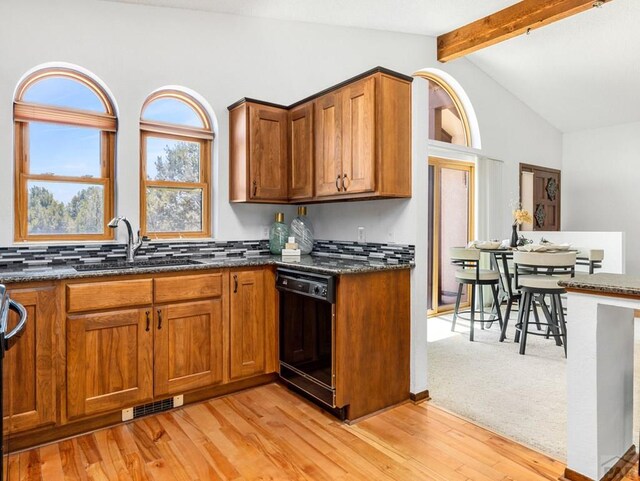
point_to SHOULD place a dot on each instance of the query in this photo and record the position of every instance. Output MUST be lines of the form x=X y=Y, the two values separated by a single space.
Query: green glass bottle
x=278 y=234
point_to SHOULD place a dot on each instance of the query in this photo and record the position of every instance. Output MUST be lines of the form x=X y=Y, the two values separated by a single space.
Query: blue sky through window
x=172 y=111
x=63 y=92
x=64 y=150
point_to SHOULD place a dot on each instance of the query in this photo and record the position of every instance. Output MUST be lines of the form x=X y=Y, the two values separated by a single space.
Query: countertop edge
x=207 y=264
x=603 y=284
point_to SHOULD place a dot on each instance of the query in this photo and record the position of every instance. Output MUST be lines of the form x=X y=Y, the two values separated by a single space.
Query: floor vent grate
x=152 y=408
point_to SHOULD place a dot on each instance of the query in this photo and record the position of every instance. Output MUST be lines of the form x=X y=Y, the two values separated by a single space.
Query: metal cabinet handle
x=235 y=283
x=337 y=185
x=344 y=185
x=148 y=321
x=159 y=319
x=255 y=187
x=17 y=331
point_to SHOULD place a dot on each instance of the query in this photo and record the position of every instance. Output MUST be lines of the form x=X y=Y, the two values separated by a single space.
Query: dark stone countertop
x=603 y=284
x=320 y=265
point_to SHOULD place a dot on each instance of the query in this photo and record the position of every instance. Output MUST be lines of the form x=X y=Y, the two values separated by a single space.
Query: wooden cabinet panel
x=188 y=346
x=186 y=288
x=95 y=296
x=247 y=323
x=267 y=153
x=373 y=332
x=29 y=367
x=358 y=137
x=328 y=140
x=301 y=152
x=109 y=361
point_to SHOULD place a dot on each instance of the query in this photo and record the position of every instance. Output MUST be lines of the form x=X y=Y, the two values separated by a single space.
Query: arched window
x=448 y=120
x=65 y=127
x=175 y=166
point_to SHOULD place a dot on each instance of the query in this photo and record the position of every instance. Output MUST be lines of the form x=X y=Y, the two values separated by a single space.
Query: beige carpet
x=489 y=383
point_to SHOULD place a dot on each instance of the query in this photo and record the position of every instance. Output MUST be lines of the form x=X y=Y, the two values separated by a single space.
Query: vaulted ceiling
x=580 y=73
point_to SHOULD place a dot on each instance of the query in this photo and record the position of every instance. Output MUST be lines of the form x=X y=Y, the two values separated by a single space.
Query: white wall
x=600 y=179
x=136 y=49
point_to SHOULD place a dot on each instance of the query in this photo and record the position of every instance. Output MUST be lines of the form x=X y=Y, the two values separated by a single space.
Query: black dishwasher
x=307 y=335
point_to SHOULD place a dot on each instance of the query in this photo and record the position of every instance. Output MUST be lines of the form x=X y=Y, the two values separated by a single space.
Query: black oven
x=307 y=334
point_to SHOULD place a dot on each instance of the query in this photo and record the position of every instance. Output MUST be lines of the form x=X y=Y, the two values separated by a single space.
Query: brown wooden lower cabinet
x=109 y=361
x=247 y=323
x=198 y=335
x=188 y=346
x=29 y=367
x=373 y=332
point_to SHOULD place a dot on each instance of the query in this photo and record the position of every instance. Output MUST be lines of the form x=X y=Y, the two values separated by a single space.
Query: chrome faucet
x=132 y=248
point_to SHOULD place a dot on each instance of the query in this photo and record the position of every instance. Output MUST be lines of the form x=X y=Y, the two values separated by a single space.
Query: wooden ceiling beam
x=507 y=23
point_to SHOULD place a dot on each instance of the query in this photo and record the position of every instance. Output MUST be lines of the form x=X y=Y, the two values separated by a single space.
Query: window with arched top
x=65 y=127
x=447 y=118
x=175 y=166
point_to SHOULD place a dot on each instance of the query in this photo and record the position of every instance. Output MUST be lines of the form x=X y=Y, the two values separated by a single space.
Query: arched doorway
x=452 y=125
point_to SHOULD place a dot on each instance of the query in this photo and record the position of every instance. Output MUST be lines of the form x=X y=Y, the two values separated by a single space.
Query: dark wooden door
x=546 y=197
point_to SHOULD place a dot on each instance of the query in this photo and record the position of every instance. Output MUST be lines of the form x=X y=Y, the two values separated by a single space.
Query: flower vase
x=514 y=236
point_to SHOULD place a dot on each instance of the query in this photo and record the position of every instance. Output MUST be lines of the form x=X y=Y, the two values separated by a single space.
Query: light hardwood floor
x=268 y=433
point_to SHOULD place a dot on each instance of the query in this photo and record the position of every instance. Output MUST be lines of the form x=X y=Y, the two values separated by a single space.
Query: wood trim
x=420 y=396
x=439 y=163
x=167 y=130
x=27 y=112
x=204 y=184
x=337 y=86
x=510 y=22
x=69 y=73
x=22 y=176
x=617 y=472
x=182 y=97
x=456 y=102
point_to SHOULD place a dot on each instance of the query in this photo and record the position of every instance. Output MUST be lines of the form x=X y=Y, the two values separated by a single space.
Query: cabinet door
x=109 y=361
x=328 y=139
x=188 y=346
x=301 y=154
x=358 y=137
x=29 y=369
x=247 y=323
x=267 y=153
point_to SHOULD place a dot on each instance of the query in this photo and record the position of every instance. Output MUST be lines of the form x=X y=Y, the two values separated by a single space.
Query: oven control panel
x=306 y=284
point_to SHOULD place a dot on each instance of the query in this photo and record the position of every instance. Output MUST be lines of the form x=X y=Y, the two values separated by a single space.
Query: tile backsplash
x=58 y=255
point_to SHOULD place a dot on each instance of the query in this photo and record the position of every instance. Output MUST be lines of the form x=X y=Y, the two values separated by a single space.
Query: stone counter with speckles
x=321 y=265
x=603 y=284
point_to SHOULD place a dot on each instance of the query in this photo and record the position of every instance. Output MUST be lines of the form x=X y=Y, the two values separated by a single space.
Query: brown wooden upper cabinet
x=301 y=152
x=259 y=153
x=351 y=141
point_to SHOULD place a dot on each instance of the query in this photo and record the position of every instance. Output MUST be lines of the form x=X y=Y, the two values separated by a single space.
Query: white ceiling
x=582 y=72
x=426 y=17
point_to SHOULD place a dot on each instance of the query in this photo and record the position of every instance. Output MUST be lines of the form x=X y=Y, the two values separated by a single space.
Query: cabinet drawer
x=108 y=295
x=183 y=288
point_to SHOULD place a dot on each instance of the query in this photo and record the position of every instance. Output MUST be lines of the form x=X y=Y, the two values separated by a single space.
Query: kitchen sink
x=109 y=265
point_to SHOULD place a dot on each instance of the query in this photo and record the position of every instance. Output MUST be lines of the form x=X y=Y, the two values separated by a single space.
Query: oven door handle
x=11 y=338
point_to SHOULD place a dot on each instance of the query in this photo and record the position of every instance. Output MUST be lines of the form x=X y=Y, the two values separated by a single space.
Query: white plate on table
x=486 y=244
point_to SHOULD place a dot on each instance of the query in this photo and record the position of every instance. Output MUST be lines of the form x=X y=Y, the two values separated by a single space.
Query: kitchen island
x=600 y=342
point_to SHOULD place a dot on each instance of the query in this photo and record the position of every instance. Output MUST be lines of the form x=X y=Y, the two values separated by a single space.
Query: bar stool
x=469 y=273
x=537 y=275
x=590 y=257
